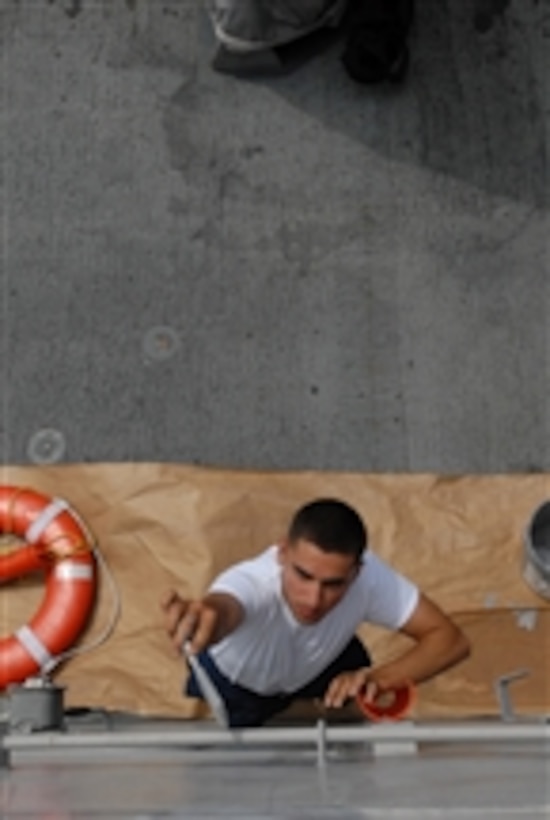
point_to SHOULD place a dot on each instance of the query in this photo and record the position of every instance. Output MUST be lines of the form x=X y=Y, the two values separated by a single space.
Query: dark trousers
x=248 y=708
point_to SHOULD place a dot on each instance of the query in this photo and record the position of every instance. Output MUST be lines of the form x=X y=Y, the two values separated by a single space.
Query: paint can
x=35 y=706
x=536 y=558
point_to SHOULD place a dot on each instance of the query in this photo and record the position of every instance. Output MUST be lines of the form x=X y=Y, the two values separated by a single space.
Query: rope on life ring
x=57 y=542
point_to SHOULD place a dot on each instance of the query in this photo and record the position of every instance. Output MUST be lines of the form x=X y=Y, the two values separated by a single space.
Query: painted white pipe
x=273 y=736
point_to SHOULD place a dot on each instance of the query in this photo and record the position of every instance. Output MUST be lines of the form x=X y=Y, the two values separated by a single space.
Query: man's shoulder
x=260 y=568
x=262 y=562
x=374 y=568
x=253 y=581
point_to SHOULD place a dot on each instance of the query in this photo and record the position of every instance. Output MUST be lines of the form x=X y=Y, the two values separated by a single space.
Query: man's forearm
x=434 y=653
x=229 y=614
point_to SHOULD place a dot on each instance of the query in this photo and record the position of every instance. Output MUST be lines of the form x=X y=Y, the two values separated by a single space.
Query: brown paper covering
x=167 y=525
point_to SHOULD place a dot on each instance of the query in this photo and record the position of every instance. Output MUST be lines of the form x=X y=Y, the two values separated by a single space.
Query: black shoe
x=376 y=48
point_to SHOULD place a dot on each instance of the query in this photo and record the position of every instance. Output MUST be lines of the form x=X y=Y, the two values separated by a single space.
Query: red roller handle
x=391 y=705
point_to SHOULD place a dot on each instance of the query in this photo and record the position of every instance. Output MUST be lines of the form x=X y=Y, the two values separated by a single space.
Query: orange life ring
x=56 y=542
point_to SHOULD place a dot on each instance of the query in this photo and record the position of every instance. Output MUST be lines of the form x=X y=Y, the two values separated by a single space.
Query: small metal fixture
x=160 y=343
x=46 y=446
x=36 y=705
x=502 y=689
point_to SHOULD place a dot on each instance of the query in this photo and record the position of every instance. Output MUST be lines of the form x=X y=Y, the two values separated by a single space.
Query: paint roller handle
x=209 y=690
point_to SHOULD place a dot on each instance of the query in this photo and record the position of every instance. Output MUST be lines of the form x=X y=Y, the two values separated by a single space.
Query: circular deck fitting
x=46 y=446
x=160 y=343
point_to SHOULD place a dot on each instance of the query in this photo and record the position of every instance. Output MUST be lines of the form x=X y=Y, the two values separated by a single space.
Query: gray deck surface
x=356 y=278
x=460 y=783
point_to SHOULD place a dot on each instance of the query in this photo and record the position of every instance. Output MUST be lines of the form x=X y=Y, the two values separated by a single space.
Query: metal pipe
x=274 y=736
x=321 y=743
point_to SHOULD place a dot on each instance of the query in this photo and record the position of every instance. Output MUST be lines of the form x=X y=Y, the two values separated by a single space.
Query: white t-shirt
x=270 y=652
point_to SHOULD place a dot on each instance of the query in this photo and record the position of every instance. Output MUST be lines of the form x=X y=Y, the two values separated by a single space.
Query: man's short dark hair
x=331 y=525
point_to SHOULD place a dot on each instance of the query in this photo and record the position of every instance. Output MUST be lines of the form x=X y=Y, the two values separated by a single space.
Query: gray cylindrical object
x=35 y=708
x=536 y=563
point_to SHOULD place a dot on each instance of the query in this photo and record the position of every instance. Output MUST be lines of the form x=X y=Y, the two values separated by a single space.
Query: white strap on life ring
x=71 y=571
x=34 y=646
x=44 y=519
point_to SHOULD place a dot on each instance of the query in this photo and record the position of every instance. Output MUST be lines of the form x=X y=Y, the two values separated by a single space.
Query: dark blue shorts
x=247 y=708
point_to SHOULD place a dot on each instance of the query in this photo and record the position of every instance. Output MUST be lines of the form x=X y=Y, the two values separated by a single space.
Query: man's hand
x=201 y=622
x=192 y=621
x=347 y=686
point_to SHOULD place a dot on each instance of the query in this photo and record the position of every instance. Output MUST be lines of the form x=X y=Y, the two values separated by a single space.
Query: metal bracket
x=321 y=743
x=502 y=690
x=4 y=753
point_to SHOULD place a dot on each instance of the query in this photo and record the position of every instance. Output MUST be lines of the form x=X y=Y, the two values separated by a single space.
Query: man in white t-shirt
x=282 y=626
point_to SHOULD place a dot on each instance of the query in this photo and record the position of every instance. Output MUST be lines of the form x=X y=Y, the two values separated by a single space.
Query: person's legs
x=247 y=709
x=244 y=707
x=354 y=656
